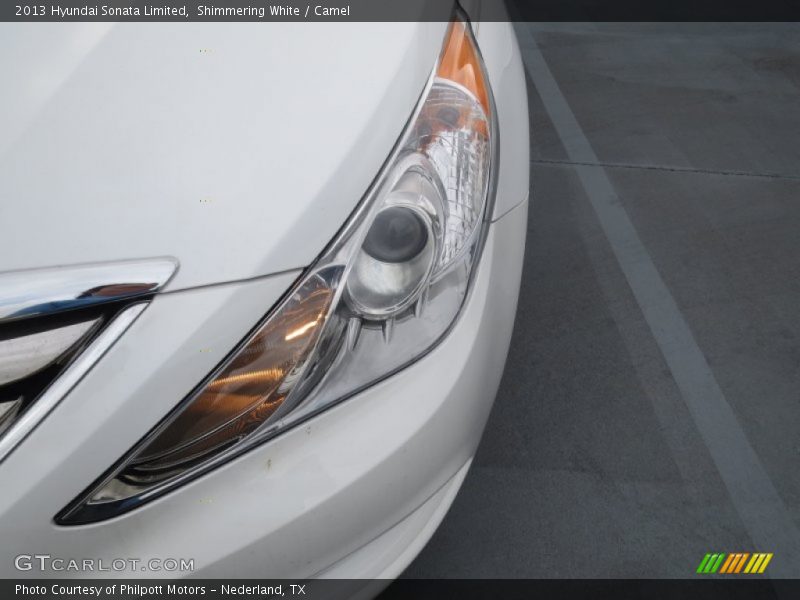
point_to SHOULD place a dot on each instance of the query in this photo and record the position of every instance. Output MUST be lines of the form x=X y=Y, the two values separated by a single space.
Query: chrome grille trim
x=41 y=292
x=67 y=380
x=25 y=355
x=36 y=303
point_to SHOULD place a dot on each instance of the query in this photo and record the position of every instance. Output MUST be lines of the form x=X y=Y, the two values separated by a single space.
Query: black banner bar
x=398 y=10
x=743 y=587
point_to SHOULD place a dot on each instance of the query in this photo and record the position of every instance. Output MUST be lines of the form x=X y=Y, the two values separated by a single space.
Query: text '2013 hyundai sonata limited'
x=257 y=286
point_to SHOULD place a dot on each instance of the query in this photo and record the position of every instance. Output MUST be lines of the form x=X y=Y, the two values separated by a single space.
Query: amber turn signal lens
x=248 y=390
x=460 y=63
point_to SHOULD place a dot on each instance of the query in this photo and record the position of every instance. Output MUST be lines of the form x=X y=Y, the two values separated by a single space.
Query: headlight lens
x=393 y=264
x=382 y=295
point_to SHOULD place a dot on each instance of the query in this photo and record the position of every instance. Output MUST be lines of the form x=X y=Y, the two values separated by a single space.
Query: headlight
x=382 y=295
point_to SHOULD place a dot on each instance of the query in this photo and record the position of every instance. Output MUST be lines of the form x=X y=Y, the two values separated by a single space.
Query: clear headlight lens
x=387 y=289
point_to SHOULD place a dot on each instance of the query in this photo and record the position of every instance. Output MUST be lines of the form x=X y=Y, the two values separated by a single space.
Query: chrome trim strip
x=8 y=410
x=38 y=292
x=48 y=400
x=22 y=356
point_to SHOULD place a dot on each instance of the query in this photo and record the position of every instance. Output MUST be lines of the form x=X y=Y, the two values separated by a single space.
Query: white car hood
x=239 y=149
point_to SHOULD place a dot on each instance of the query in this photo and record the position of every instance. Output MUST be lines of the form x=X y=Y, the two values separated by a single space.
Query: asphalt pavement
x=650 y=408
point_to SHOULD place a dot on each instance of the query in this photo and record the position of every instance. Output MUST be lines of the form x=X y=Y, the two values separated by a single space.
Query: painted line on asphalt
x=752 y=492
x=667 y=169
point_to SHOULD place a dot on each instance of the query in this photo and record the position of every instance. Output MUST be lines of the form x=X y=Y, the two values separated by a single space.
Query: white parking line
x=752 y=492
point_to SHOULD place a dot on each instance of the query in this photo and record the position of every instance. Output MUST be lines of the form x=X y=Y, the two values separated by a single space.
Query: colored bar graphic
x=727 y=564
x=735 y=562
x=732 y=558
x=711 y=562
x=717 y=564
x=754 y=561
x=736 y=557
x=740 y=564
x=764 y=564
x=703 y=563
